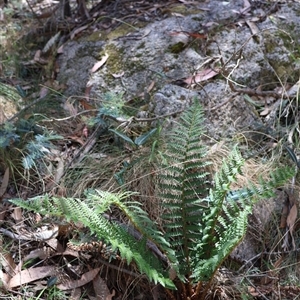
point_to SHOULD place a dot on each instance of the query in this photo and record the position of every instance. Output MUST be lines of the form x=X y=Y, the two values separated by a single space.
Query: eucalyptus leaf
x=142 y=139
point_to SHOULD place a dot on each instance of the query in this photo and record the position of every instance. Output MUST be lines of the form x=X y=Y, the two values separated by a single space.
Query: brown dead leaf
x=292 y=217
x=201 y=76
x=118 y=75
x=85 y=131
x=87 y=91
x=101 y=290
x=41 y=253
x=76 y=294
x=3 y=118
x=30 y=275
x=74 y=253
x=17 y=215
x=60 y=50
x=8 y=263
x=39 y=59
x=151 y=86
x=4 y=279
x=4 y=183
x=55 y=244
x=246 y=7
x=86 y=105
x=78 y=30
x=284 y=214
x=37 y=55
x=76 y=139
x=100 y=63
x=44 y=92
x=265 y=112
x=195 y=35
x=253 y=27
x=85 y=278
x=70 y=108
x=59 y=170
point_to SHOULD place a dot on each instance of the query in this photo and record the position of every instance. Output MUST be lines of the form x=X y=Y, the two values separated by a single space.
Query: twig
x=119 y=268
x=221 y=104
x=88 y=145
x=119 y=119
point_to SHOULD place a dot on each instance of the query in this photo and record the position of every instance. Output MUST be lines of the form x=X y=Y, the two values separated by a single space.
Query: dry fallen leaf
x=118 y=75
x=4 y=183
x=284 y=214
x=101 y=290
x=59 y=170
x=30 y=275
x=76 y=294
x=17 y=215
x=76 y=139
x=86 y=105
x=246 y=7
x=37 y=55
x=8 y=263
x=85 y=278
x=265 y=112
x=292 y=217
x=253 y=27
x=88 y=91
x=291 y=220
x=4 y=279
x=41 y=253
x=70 y=108
x=60 y=50
x=195 y=35
x=78 y=30
x=201 y=76
x=100 y=63
x=85 y=131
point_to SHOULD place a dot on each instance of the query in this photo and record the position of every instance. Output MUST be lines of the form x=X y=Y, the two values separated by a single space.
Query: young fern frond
x=91 y=213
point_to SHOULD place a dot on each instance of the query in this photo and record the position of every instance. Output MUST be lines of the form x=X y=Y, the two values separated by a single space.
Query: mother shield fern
x=203 y=223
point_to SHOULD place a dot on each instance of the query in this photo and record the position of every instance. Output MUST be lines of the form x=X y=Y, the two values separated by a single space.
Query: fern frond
x=203 y=229
x=91 y=214
x=183 y=182
x=226 y=222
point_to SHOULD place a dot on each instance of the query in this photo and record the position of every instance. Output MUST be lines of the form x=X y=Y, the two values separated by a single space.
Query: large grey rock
x=163 y=53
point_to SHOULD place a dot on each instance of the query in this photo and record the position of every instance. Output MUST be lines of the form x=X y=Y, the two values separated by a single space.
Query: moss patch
x=114 y=63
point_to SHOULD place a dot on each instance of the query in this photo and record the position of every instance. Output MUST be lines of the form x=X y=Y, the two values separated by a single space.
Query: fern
x=184 y=182
x=203 y=221
x=205 y=229
x=91 y=214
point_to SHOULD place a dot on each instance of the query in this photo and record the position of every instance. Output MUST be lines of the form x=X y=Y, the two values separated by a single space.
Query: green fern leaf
x=91 y=213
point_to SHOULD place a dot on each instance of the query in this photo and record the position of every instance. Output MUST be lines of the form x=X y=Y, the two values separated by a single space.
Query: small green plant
x=38 y=149
x=112 y=108
x=138 y=141
x=202 y=222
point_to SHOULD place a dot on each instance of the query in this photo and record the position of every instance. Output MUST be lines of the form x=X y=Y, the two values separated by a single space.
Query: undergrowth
x=202 y=223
